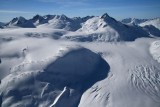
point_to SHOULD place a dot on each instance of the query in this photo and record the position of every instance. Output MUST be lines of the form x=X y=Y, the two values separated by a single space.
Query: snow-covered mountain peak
x=37 y=20
x=36 y=17
x=17 y=20
x=61 y=17
x=21 y=18
x=20 y=22
x=106 y=28
x=49 y=17
x=93 y=24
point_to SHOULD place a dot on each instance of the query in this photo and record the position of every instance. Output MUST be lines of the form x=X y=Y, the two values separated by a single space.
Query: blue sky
x=116 y=8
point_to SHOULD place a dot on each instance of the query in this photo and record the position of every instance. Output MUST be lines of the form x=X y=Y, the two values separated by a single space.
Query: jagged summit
x=18 y=20
x=107 y=18
x=49 y=17
x=37 y=20
x=62 y=17
x=36 y=17
x=105 y=15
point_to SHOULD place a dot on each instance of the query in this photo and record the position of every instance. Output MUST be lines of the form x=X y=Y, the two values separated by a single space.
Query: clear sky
x=116 y=8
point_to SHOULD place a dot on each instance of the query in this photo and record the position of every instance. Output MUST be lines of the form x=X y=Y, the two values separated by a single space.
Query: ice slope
x=35 y=81
x=106 y=28
x=155 y=22
x=48 y=17
x=20 y=22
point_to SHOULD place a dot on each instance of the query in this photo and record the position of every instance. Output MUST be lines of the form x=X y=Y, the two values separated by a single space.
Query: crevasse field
x=56 y=61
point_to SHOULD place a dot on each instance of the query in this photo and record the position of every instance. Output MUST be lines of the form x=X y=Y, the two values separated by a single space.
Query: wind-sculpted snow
x=146 y=78
x=61 y=83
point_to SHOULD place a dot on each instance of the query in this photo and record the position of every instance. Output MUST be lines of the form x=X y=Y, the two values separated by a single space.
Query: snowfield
x=103 y=63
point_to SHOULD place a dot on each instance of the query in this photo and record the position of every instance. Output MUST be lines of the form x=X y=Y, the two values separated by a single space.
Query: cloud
x=14 y=11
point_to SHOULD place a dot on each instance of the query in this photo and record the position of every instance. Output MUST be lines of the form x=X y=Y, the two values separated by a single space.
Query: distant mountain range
x=53 y=21
x=92 y=28
x=133 y=21
x=154 y=22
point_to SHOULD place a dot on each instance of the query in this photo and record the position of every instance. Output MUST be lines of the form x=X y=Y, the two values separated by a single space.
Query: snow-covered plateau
x=94 y=61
